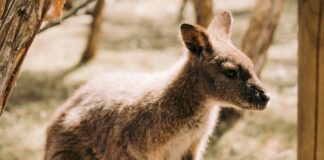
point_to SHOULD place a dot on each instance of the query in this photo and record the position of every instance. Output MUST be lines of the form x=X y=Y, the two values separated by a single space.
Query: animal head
x=228 y=75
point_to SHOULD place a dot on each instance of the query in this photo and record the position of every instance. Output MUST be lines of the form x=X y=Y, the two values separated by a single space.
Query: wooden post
x=19 y=23
x=311 y=80
x=91 y=47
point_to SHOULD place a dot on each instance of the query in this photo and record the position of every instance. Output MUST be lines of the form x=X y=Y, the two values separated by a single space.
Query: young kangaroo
x=165 y=116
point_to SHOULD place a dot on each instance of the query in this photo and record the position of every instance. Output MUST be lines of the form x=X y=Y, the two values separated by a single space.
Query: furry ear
x=221 y=25
x=195 y=38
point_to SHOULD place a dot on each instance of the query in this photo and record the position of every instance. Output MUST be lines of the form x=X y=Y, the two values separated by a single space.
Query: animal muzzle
x=258 y=97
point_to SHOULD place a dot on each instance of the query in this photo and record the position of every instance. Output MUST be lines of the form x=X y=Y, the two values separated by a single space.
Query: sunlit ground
x=142 y=36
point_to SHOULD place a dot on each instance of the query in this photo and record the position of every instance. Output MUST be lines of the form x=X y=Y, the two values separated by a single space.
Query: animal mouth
x=258 y=106
x=258 y=102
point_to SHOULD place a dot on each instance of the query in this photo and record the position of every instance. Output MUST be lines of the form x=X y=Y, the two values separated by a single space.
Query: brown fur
x=157 y=117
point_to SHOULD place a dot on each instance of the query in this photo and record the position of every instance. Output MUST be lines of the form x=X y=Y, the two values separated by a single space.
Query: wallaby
x=165 y=116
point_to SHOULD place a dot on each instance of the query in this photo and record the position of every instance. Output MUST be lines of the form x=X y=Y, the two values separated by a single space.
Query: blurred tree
x=181 y=10
x=204 y=11
x=260 y=33
x=72 y=7
x=91 y=47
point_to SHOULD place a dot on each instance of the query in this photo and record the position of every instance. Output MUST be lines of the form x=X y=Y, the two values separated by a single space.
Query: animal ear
x=195 y=38
x=221 y=25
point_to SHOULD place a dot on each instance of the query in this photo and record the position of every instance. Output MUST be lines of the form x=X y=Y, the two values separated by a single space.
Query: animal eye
x=231 y=74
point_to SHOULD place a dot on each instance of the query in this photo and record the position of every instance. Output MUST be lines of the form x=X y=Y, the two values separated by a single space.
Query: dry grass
x=138 y=41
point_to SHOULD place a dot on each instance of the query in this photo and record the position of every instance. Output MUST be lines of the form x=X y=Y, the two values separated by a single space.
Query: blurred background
x=143 y=36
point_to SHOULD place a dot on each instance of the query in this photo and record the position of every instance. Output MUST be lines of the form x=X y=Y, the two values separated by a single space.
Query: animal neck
x=184 y=96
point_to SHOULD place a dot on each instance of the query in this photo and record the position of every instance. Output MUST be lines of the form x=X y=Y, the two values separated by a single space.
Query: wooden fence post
x=311 y=80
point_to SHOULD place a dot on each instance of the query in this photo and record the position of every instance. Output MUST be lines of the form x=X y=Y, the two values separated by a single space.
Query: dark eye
x=231 y=74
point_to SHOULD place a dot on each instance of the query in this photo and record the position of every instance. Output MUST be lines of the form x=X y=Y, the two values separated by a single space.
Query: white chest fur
x=194 y=139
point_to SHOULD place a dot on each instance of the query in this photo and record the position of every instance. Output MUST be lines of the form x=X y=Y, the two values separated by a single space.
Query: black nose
x=264 y=97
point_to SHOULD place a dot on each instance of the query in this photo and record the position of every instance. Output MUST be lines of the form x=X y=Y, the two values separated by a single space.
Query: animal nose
x=264 y=97
x=259 y=94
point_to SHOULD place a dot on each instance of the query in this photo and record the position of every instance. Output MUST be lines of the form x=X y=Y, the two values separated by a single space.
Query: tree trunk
x=91 y=47
x=255 y=44
x=204 y=11
x=259 y=35
x=19 y=23
x=181 y=10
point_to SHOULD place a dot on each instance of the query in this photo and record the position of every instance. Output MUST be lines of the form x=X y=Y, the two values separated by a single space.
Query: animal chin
x=255 y=107
x=247 y=106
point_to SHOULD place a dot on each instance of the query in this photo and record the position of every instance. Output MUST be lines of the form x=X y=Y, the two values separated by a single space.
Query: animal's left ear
x=221 y=25
x=195 y=39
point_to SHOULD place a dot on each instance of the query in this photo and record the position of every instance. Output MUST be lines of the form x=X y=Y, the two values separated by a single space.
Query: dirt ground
x=142 y=36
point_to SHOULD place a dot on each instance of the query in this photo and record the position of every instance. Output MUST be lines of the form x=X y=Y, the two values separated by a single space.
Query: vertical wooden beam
x=311 y=80
x=320 y=113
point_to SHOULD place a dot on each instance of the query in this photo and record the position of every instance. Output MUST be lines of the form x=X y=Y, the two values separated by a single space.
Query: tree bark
x=256 y=42
x=181 y=10
x=19 y=23
x=91 y=47
x=204 y=11
x=259 y=35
